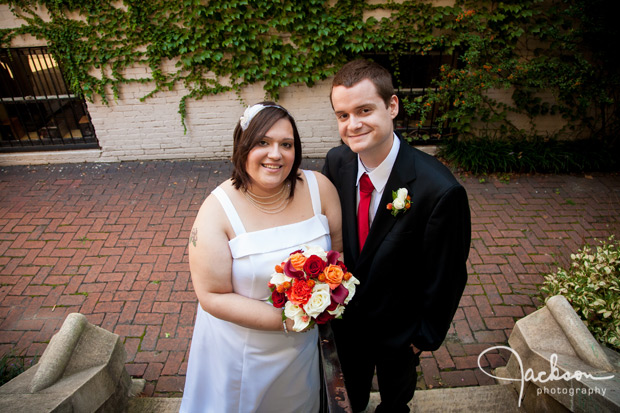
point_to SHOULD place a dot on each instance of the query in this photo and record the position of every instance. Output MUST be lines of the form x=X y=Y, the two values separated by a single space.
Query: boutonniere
x=401 y=201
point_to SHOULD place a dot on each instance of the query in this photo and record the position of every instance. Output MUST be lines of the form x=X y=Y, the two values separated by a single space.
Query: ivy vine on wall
x=216 y=46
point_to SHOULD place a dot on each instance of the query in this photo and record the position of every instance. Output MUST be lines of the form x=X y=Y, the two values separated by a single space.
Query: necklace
x=270 y=204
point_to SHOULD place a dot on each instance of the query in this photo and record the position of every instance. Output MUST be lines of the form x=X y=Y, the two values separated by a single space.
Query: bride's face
x=270 y=161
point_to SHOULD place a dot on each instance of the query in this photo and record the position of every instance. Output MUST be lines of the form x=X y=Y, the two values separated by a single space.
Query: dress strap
x=315 y=195
x=229 y=209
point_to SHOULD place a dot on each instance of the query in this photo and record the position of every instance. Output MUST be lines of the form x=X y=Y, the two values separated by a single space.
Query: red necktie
x=363 y=219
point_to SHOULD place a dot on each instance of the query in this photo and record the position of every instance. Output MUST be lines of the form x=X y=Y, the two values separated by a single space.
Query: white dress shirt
x=379 y=177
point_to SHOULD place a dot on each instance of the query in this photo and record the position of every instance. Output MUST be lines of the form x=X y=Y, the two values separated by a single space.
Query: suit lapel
x=402 y=175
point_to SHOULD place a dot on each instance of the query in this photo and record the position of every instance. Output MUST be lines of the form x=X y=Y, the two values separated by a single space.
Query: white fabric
x=378 y=176
x=237 y=369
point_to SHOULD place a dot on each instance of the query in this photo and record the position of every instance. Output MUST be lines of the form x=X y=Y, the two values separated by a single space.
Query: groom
x=409 y=254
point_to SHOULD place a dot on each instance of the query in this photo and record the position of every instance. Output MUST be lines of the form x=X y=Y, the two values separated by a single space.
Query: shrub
x=592 y=286
x=488 y=155
x=11 y=366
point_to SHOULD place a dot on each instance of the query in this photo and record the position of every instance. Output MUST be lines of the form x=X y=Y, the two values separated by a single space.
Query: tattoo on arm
x=193 y=236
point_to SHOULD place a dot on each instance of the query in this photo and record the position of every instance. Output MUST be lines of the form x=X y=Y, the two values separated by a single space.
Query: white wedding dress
x=237 y=369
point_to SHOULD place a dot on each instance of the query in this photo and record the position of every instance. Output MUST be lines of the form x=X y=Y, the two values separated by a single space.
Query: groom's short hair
x=357 y=70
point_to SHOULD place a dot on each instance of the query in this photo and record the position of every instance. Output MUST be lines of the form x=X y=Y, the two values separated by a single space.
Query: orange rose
x=298 y=260
x=300 y=293
x=333 y=275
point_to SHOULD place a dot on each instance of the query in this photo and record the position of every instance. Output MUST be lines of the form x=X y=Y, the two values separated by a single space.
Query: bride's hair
x=246 y=139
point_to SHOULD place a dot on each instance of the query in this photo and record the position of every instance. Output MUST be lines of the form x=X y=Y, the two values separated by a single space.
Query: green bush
x=488 y=155
x=11 y=366
x=592 y=286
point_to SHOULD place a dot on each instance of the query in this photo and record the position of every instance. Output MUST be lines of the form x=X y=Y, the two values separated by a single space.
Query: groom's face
x=364 y=122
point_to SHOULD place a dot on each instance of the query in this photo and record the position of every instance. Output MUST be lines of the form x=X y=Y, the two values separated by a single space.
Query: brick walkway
x=109 y=241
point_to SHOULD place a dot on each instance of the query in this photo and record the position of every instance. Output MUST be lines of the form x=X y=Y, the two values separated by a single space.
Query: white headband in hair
x=251 y=111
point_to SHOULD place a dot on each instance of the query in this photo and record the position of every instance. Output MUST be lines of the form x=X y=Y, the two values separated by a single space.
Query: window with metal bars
x=37 y=109
x=413 y=78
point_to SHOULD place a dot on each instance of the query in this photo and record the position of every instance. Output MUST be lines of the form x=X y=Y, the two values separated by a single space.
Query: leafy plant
x=11 y=366
x=592 y=286
x=550 y=56
x=528 y=48
x=488 y=155
x=202 y=47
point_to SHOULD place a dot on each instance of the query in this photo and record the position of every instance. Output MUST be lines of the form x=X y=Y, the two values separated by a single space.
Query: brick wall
x=128 y=129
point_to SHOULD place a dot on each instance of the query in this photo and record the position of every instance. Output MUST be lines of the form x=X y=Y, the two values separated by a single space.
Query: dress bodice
x=256 y=253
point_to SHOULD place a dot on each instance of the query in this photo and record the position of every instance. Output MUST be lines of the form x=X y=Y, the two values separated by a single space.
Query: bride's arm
x=210 y=264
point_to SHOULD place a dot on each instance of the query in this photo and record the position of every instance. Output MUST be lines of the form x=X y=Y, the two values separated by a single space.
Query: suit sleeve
x=447 y=240
x=326 y=170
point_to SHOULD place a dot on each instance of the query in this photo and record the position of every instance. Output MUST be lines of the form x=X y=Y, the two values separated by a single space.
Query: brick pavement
x=109 y=241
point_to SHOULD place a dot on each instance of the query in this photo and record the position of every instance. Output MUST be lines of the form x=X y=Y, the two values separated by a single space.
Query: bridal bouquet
x=312 y=286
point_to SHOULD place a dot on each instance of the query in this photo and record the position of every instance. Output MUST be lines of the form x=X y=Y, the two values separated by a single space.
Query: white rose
x=350 y=285
x=402 y=194
x=310 y=250
x=398 y=203
x=278 y=278
x=319 y=301
x=297 y=314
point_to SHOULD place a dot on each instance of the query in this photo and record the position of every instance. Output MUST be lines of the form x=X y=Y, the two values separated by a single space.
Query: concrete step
x=483 y=399
x=154 y=405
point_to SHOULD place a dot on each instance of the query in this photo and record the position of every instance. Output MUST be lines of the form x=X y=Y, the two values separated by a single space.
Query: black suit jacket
x=412 y=269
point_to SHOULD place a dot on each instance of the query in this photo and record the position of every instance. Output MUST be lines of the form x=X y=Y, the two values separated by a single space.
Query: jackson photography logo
x=554 y=374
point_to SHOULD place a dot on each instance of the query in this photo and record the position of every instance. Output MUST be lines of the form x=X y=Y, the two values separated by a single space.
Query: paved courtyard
x=110 y=241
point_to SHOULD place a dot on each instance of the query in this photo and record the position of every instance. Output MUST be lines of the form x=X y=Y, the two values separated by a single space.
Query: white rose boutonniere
x=401 y=201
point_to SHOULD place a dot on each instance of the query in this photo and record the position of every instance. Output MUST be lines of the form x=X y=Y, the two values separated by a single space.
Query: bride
x=244 y=357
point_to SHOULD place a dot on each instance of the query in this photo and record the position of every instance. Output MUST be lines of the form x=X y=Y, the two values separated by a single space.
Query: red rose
x=314 y=266
x=278 y=299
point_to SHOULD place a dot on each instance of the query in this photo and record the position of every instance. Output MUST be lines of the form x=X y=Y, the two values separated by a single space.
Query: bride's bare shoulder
x=211 y=211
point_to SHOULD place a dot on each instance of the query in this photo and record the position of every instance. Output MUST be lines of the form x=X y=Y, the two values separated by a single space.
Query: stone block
x=557 y=365
x=81 y=370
